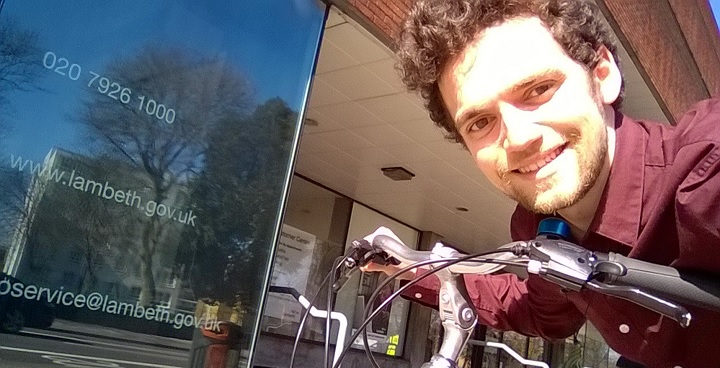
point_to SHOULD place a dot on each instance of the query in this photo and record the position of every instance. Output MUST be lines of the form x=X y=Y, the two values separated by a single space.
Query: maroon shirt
x=661 y=204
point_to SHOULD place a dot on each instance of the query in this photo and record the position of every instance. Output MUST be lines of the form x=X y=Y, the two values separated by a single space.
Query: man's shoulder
x=701 y=123
x=688 y=153
x=698 y=127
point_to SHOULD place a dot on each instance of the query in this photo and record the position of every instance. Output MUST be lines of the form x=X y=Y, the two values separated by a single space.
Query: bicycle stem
x=458 y=318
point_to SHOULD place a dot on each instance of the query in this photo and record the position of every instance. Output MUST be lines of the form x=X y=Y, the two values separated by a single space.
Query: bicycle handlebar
x=652 y=286
x=693 y=288
x=575 y=268
x=403 y=254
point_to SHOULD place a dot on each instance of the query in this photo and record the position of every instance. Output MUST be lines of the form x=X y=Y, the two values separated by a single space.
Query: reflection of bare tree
x=19 y=62
x=19 y=67
x=96 y=228
x=97 y=222
x=14 y=211
x=238 y=195
x=202 y=91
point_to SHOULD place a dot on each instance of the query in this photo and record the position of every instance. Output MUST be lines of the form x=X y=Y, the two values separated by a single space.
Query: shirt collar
x=618 y=214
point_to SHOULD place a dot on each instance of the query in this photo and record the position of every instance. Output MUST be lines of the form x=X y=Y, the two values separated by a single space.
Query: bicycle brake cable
x=430 y=272
x=329 y=306
x=375 y=295
x=307 y=313
x=448 y=262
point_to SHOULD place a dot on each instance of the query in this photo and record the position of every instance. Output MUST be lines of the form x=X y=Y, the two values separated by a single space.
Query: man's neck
x=581 y=214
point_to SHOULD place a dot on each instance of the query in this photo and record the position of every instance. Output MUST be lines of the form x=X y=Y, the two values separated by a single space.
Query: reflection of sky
x=272 y=42
x=715 y=5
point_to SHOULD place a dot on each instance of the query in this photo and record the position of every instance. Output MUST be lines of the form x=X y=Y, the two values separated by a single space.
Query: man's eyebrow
x=467 y=114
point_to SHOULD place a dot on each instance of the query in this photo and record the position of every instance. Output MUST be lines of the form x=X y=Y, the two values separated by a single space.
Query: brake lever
x=362 y=252
x=674 y=311
x=561 y=262
x=574 y=268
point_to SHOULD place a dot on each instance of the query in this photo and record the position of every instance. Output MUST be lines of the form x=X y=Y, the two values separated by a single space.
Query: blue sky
x=271 y=41
x=715 y=5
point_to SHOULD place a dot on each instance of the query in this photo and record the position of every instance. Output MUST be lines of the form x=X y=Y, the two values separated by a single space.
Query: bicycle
x=655 y=287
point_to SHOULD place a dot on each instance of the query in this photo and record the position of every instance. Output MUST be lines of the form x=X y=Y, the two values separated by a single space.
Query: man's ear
x=607 y=76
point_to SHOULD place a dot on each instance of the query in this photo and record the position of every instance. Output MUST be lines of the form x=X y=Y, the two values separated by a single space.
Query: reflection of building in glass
x=24 y=221
x=83 y=231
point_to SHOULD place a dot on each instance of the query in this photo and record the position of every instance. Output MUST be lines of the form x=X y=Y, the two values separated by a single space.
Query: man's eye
x=539 y=90
x=479 y=124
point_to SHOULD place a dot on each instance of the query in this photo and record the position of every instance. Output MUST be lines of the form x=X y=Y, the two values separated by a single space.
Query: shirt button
x=625 y=329
x=418 y=295
x=677 y=366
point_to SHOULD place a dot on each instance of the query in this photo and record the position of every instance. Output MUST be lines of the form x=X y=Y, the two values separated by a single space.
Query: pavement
x=77 y=345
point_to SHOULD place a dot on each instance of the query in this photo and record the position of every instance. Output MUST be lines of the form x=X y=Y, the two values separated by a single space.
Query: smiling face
x=533 y=118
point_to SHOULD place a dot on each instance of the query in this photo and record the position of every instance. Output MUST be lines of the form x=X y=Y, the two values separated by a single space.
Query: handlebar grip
x=701 y=290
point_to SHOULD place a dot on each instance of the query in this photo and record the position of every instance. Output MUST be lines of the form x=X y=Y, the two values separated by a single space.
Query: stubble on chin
x=547 y=197
x=531 y=199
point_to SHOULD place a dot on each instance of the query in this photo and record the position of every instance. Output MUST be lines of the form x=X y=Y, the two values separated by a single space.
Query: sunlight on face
x=530 y=115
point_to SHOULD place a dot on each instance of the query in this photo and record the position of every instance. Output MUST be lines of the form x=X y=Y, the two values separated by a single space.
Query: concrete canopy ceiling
x=363 y=120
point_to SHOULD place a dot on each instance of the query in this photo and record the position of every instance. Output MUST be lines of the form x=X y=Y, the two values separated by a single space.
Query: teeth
x=540 y=163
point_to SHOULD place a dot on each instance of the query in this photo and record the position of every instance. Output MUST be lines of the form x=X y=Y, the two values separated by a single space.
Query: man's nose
x=521 y=135
x=521 y=130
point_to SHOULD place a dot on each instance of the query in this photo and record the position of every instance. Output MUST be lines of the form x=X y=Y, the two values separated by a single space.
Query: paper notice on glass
x=291 y=269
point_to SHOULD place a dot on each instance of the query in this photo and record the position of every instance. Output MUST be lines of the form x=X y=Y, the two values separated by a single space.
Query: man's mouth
x=540 y=163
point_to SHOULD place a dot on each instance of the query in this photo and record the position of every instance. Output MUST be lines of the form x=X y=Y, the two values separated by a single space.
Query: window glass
x=386 y=333
x=318 y=226
x=588 y=348
x=313 y=236
x=145 y=152
x=526 y=347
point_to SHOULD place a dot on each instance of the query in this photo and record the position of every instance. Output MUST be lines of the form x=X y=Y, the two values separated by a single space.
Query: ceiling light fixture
x=397 y=173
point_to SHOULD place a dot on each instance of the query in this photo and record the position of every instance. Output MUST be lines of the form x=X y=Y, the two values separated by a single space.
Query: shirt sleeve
x=533 y=307
x=697 y=206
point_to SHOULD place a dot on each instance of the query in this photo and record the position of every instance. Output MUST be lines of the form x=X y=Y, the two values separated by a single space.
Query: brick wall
x=676 y=43
x=385 y=15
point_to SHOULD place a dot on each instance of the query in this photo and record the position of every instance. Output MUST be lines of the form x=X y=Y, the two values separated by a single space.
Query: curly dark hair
x=435 y=31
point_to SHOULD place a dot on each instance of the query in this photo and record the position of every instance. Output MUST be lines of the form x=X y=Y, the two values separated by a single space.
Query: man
x=532 y=90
